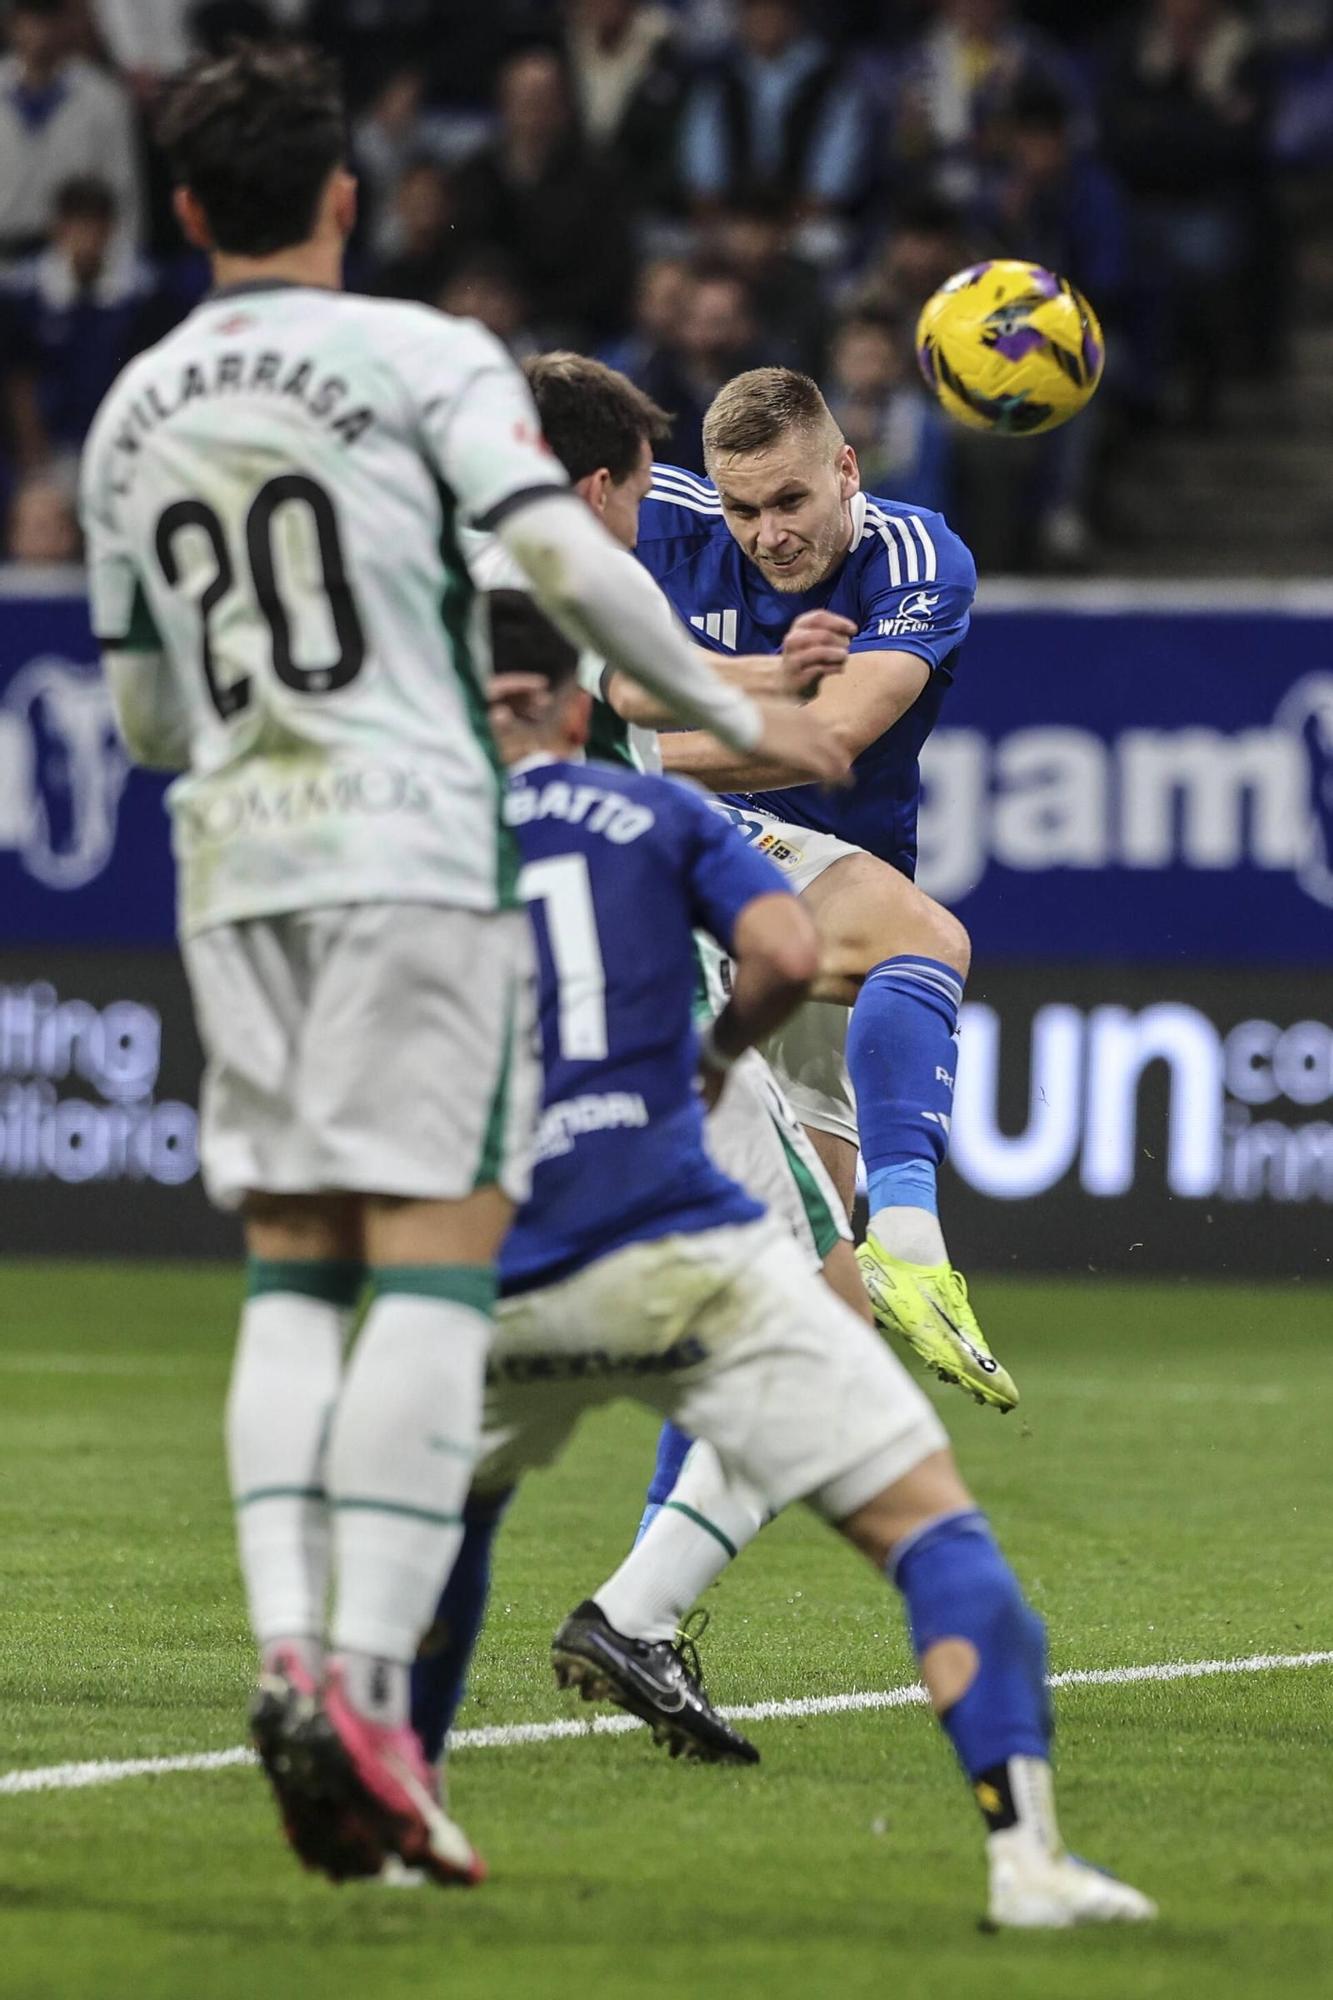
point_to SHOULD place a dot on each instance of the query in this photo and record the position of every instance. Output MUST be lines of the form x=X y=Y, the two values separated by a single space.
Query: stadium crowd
x=689 y=189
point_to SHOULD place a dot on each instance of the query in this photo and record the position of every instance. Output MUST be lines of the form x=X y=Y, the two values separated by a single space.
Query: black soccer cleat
x=659 y=1681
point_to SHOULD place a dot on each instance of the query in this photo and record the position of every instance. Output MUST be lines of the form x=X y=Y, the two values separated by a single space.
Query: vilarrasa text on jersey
x=266 y=373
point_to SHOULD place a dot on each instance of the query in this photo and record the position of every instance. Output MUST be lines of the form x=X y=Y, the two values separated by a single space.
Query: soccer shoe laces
x=685 y=1645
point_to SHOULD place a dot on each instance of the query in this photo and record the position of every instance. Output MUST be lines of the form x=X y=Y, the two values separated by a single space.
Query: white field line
x=506 y=1735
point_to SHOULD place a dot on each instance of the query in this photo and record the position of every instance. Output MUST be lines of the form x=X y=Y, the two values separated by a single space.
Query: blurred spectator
x=485 y=286
x=901 y=438
x=949 y=86
x=43 y=522
x=148 y=40
x=628 y=78
x=779 y=118
x=394 y=134
x=374 y=40
x=540 y=194
x=926 y=245
x=1185 y=124
x=1048 y=202
x=74 y=315
x=59 y=116
x=215 y=24
x=455 y=45
x=145 y=39
x=426 y=244
x=755 y=239
x=660 y=293
x=714 y=339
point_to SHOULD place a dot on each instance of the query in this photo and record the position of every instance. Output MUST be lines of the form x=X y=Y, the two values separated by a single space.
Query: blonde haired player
x=272 y=497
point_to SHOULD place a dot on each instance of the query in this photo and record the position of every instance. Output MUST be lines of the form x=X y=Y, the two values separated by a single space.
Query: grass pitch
x=1164 y=1492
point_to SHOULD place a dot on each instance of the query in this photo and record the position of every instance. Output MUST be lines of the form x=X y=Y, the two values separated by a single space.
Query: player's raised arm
x=489 y=449
x=858 y=706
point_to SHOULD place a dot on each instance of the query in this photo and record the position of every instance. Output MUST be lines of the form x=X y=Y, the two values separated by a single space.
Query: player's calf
x=982 y=1651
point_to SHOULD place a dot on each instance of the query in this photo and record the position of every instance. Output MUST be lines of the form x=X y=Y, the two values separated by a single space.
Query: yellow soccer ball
x=1010 y=347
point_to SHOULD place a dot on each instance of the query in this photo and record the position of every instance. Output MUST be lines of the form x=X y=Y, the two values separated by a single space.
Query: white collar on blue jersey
x=857 y=503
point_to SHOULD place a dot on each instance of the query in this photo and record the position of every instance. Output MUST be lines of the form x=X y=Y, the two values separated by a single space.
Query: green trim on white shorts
x=490 y=1166
x=825 y=1230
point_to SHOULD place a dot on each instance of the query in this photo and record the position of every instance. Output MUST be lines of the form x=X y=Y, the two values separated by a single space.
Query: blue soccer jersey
x=907 y=584
x=619 y=868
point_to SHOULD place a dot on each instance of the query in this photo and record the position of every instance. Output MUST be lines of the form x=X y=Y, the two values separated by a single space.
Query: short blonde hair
x=754 y=410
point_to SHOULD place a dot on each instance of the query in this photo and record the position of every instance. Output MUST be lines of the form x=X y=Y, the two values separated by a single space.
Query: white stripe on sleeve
x=923 y=535
x=909 y=549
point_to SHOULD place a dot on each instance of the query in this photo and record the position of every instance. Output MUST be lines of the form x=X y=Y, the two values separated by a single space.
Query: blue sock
x=673 y=1448
x=957 y=1585
x=439 y=1672
x=901 y=1056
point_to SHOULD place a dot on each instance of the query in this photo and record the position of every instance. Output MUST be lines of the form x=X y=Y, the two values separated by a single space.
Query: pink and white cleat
x=380 y=1780
x=339 y=1843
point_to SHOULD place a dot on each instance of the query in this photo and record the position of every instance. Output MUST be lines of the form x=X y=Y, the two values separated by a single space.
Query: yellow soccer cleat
x=927 y=1306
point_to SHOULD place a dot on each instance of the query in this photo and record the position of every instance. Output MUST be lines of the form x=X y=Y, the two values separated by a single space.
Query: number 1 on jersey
x=563 y=888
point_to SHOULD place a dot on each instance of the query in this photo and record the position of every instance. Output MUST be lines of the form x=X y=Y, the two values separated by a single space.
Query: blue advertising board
x=1129 y=800
x=1138 y=777
x=1117 y=775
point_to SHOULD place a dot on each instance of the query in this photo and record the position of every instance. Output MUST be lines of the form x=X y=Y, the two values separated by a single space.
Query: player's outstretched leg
x=632 y=1642
x=902 y=1055
x=982 y=1651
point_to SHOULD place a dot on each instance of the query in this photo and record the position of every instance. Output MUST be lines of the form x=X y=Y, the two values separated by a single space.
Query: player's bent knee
x=952 y=945
x=869 y=912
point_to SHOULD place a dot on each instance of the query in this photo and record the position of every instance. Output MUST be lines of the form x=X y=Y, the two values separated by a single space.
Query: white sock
x=400 y=1463
x=710 y=1517
x=284 y=1386
x=1032 y=1791
x=913 y=1234
x=381 y=1689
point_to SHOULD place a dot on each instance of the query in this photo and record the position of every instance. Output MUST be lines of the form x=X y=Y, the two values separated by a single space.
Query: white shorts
x=730 y=1335
x=373 y=1048
x=756 y=1138
x=807 y=1052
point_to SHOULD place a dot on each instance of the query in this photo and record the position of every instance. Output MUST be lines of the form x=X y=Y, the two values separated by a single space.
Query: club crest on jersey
x=719 y=626
x=915 y=614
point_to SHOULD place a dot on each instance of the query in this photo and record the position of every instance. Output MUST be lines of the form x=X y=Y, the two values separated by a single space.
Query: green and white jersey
x=272 y=497
x=610 y=740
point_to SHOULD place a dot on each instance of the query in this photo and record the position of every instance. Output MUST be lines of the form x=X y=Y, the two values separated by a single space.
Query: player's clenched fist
x=815 y=646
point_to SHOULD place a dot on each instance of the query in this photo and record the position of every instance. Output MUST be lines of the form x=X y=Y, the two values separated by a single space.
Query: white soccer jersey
x=493 y=568
x=272 y=497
